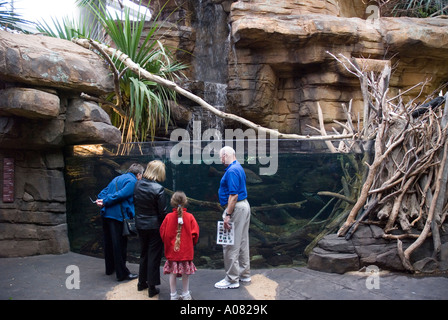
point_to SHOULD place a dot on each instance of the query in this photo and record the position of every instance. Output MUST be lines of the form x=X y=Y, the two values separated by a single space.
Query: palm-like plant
x=144 y=103
x=147 y=101
x=11 y=20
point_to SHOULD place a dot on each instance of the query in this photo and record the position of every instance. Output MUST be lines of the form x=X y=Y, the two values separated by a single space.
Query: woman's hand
x=99 y=203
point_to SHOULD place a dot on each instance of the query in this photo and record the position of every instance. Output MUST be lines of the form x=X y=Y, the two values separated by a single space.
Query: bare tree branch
x=169 y=84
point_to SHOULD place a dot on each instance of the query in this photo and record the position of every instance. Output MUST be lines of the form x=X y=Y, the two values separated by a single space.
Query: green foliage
x=420 y=8
x=11 y=20
x=68 y=28
x=144 y=102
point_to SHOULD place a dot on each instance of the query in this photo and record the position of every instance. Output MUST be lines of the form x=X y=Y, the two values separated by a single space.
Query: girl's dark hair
x=179 y=200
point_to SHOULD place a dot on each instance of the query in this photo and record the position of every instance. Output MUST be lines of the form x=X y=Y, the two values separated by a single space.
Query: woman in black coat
x=150 y=210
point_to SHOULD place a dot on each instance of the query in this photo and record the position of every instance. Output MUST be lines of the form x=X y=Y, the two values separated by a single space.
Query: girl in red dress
x=179 y=232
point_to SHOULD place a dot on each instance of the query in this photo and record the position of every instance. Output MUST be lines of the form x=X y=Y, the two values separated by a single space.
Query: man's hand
x=227 y=225
x=99 y=203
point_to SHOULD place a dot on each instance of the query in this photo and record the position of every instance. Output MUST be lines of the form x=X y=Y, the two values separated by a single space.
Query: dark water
x=278 y=236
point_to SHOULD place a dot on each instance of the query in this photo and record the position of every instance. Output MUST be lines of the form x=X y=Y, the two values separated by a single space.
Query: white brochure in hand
x=225 y=237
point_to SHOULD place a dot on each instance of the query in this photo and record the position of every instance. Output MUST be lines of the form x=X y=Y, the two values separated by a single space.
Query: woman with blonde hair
x=150 y=210
x=179 y=232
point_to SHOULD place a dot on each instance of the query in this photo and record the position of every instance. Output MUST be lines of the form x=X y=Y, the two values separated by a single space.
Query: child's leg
x=185 y=284
x=185 y=287
x=173 y=286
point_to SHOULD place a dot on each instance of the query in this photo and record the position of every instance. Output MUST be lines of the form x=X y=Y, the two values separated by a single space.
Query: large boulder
x=327 y=261
x=29 y=103
x=50 y=62
x=86 y=122
x=368 y=247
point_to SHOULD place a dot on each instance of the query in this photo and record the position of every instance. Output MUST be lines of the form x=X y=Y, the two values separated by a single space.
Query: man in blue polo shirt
x=233 y=195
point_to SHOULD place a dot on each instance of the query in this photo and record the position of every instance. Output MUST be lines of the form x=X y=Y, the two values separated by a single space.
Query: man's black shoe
x=130 y=276
x=142 y=286
x=153 y=291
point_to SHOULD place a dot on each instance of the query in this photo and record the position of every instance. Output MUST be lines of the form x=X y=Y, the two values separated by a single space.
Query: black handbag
x=129 y=229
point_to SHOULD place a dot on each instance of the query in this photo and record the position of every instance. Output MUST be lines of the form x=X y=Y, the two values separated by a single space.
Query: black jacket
x=150 y=204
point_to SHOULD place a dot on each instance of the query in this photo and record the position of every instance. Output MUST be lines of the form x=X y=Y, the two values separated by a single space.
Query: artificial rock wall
x=278 y=65
x=281 y=68
x=41 y=112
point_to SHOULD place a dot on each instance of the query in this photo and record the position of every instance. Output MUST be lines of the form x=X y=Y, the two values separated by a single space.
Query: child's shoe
x=174 y=296
x=186 y=295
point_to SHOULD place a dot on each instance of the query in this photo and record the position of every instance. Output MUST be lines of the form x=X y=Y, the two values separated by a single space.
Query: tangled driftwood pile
x=404 y=185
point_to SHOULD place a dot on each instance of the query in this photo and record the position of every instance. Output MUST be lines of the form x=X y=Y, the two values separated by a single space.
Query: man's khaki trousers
x=236 y=256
